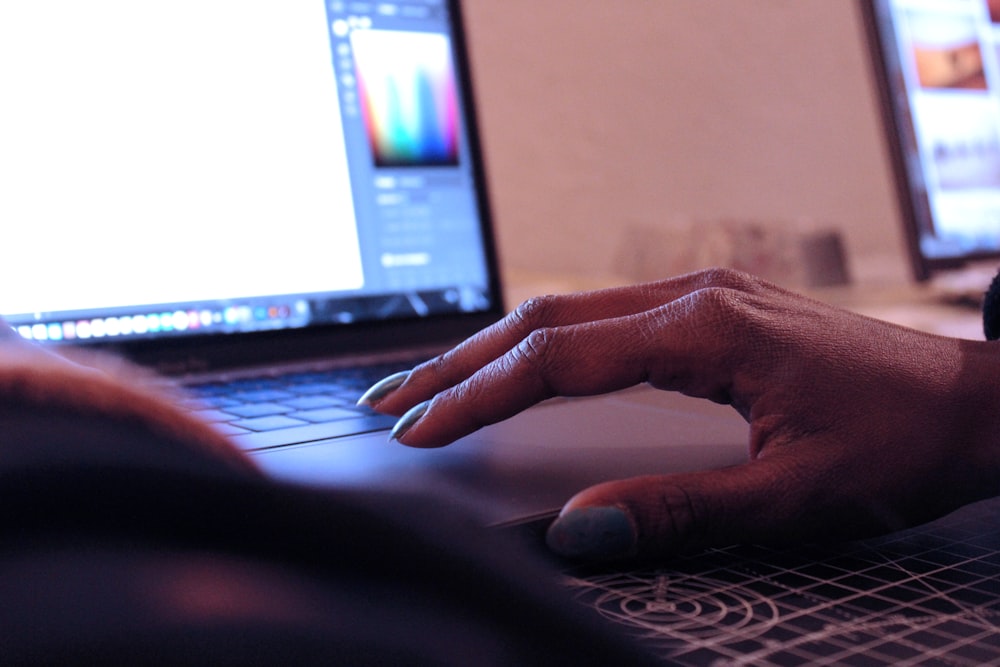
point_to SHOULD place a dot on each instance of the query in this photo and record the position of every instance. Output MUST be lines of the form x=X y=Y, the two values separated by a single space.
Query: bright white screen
x=155 y=152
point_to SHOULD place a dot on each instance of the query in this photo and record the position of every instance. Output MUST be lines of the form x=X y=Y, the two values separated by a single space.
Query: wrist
x=977 y=432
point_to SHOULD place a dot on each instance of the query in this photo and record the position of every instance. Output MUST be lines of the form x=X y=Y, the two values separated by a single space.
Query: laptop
x=274 y=201
x=938 y=76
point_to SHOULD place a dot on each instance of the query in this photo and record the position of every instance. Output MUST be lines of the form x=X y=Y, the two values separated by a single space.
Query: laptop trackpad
x=640 y=418
x=545 y=455
x=538 y=459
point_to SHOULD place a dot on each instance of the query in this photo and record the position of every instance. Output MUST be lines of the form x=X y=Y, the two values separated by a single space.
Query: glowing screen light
x=406 y=84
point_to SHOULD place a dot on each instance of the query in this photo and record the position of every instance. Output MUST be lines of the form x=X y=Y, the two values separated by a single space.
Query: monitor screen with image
x=216 y=167
x=937 y=63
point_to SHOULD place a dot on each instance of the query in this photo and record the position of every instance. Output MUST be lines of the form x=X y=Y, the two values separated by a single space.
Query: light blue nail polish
x=383 y=388
x=408 y=420
x=592 y=532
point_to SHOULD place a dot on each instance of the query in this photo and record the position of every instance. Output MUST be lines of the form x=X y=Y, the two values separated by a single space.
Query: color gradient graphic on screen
x=406 y=85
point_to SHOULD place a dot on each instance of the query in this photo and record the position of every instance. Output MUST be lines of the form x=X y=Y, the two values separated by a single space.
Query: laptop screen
x=219 y=166
x=938 y=67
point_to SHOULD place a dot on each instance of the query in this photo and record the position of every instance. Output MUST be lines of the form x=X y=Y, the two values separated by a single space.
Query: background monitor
x=937 y=64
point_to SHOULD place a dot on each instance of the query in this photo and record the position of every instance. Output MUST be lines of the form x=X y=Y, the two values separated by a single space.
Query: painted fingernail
x=592 y=532
x=383 y=388
x=408 y=420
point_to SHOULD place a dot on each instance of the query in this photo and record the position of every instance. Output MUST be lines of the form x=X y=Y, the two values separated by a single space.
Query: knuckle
x=534 y=349
x=707 y=331
x=537 y=356
x=434 y=367
x=468 y=394
x=534 y=312
x=726 y=278
x=714 y=305
x=681 y=516
x=670 y=521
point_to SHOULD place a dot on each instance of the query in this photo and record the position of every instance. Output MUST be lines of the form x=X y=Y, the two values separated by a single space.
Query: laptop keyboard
x=277 y=410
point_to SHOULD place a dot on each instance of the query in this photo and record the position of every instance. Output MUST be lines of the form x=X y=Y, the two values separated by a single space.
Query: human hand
x=856 y=426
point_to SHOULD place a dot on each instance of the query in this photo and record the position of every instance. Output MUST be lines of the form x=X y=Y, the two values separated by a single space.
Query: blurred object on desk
x=798 y=255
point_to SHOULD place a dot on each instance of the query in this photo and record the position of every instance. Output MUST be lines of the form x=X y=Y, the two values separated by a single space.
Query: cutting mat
x=926 y=596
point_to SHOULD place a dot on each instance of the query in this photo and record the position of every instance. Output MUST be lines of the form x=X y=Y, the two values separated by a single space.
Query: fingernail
x=383 y=388
x=592 y=532
x=408 y=420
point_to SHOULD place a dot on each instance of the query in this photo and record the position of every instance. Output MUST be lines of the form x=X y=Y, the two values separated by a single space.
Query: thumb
x=774 y=500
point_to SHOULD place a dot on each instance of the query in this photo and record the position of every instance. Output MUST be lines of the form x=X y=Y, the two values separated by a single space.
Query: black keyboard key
x=316 y=402
x=225 y=428
x=213 y=416
x=334 y=389
x=263 y=395
x=314 y=432
x=324 y=415
x=271 y=423
x=251 y=410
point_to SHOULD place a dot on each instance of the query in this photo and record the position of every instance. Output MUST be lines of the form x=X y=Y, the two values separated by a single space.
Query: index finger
x=496 y=341
x=683 y=345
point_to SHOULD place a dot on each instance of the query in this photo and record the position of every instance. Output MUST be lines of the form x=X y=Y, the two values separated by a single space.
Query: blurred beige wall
x=603 y=117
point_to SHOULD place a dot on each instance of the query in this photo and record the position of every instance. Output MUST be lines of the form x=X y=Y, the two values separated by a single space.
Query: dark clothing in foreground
x=120 y=547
